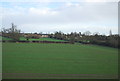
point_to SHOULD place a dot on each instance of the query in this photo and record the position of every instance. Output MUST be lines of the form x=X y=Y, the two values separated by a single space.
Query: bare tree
x=110 y=33
x=12 y=32
x=87 y=33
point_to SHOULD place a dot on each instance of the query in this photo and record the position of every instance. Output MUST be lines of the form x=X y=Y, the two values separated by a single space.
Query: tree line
x=73 y=37
x=87 y=38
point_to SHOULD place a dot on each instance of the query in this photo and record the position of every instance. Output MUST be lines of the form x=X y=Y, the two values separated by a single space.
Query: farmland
x=59 y=40
x=58 y=61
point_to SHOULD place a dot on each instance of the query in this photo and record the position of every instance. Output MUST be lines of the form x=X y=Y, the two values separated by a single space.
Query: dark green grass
x=41 y=61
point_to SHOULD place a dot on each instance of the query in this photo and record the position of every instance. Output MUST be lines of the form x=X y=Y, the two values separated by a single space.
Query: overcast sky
x=50 y=16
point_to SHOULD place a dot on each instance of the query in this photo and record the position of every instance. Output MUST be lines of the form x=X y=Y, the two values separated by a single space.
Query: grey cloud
x=90 y=14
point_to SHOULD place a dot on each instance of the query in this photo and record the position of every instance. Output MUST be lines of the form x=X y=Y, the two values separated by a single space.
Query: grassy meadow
x=31 y=39
x=58 y=61
x=42 y=39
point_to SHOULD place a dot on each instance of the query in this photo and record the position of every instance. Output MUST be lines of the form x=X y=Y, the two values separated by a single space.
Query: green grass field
x=58 y=61
x=31 y=39
x=41 y=39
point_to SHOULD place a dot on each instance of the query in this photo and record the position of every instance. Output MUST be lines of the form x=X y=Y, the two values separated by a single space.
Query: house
x=30 y=35
x=44 y=35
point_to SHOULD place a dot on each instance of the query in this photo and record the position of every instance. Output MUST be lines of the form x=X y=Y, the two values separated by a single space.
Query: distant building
x=44 y=35
x=30 y=35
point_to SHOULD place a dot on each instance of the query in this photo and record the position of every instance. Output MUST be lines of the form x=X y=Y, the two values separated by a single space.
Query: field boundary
x=38 y=42
x=44 y=75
